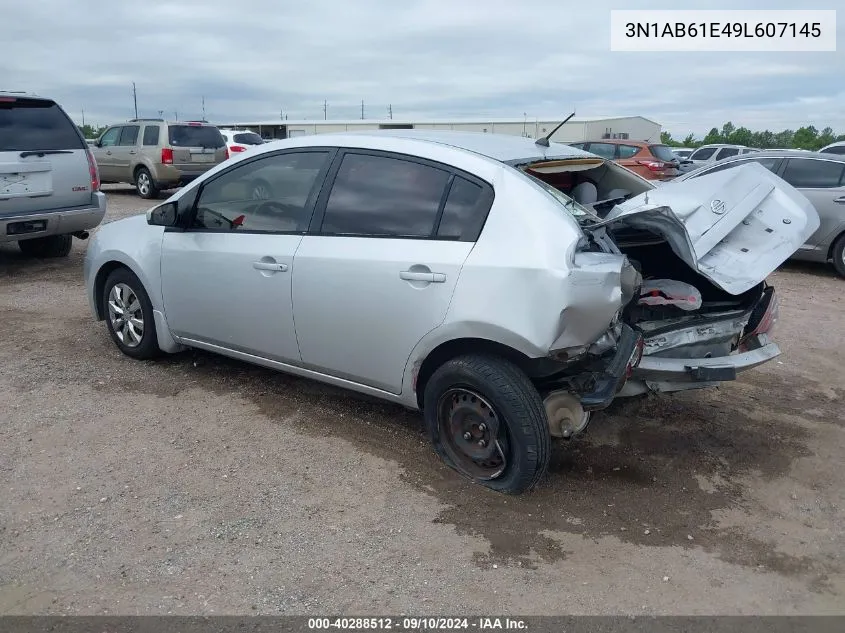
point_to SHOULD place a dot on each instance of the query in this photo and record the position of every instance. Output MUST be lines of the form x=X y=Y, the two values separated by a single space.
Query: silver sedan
x=507 y=288
x=821 y=178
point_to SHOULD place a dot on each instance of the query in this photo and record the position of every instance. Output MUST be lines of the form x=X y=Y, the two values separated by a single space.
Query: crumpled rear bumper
x=611 y=380
x=654 y=368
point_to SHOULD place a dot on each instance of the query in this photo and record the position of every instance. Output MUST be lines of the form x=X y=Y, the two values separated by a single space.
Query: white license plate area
x=37 y=183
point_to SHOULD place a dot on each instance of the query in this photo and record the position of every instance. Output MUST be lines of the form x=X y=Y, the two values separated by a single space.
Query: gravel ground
x=196 y=484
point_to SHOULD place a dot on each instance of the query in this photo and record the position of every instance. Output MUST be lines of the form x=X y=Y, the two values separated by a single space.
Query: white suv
x=707 y=154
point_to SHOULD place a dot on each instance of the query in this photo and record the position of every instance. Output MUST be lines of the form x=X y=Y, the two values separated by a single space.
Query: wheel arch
x=100 y=283
x=840 y=235
x=453 y=348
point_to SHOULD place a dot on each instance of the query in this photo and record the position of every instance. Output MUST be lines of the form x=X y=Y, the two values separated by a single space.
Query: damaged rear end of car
x=678 y=277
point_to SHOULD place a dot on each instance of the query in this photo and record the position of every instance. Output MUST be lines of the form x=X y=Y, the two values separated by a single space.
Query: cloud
x=428 y=58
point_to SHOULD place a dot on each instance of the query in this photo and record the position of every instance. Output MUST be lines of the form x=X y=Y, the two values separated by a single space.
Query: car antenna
x=544 y=141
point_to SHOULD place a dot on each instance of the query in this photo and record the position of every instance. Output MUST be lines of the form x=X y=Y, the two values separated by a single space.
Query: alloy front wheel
x=127 y=319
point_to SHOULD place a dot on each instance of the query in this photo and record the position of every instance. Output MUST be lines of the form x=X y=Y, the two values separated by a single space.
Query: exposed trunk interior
x=713 y=329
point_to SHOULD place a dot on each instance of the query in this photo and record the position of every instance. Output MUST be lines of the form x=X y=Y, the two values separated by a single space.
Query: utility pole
x=175 y=115
x=83 y=117
x=282 y=114
x=325 y=109
x=135 y=99
x=161 y=114
x=390 y=109
x=362 y=109
x=203 y=108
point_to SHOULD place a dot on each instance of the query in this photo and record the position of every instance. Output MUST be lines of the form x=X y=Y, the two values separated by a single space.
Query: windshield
x=195 y=136
x=35 y=124
x=248 y=138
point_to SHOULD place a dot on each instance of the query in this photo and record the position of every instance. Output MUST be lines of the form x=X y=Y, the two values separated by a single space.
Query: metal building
x=576 y=129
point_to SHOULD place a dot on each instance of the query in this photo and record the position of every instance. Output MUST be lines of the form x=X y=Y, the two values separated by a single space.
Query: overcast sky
x=428 y=58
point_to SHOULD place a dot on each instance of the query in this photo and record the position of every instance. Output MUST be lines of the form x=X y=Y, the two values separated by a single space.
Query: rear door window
x=627 y=151
x=703 y=154
x=465 y=211
x=813 y=174
x=605 y=150
x=129 y=135
x=151 y=135
x=384 y=196
x=195 y=136
x=836 y=149
x=36 y=124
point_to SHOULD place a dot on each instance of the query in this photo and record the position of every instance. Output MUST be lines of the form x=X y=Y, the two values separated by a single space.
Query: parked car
x=240 y=140
x=456 y=273
x=834 y=148
x=707 y=154
x=820 y=177
x=49 y=184
x=154 y=154
x=649 y=160
x=684 y=163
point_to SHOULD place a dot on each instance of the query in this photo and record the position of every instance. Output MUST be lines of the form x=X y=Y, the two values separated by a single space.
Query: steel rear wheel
x=472 y=435
x=129 y=315
x=487 y=421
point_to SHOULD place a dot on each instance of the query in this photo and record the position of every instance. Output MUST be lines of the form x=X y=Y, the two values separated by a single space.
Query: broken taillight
x=636 y=357
x=763 y=318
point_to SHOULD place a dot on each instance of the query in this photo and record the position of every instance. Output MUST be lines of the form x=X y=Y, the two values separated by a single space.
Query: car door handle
x=840 y=200
x=109 y=152
x=279 y=268
x=133 y=152
x=435 y=278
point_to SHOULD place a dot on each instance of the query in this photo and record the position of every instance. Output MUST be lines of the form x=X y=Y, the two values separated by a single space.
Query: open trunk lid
x=735 y=226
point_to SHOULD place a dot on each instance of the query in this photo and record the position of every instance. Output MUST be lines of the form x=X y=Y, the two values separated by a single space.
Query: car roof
x=503 y=148
x=22 y=95
x=725 y=145
x=620 y=141
x=789 y=153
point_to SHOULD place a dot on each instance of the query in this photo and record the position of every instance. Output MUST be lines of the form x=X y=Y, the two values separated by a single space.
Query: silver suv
x=154 y=154
x=49 y=185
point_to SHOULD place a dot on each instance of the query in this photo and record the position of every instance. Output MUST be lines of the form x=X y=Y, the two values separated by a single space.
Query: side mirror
x=162 y=215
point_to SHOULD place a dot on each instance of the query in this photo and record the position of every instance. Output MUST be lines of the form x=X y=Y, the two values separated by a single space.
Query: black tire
x=838 y=253
x=523 y=427
x=145 y=185
x=50 y=246
x=147 y=346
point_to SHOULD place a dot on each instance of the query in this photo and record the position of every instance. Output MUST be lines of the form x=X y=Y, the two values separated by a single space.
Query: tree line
x=91 y=131
x=803 y=138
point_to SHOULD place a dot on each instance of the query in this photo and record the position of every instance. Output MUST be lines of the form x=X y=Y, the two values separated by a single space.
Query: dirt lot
x=196 y=484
